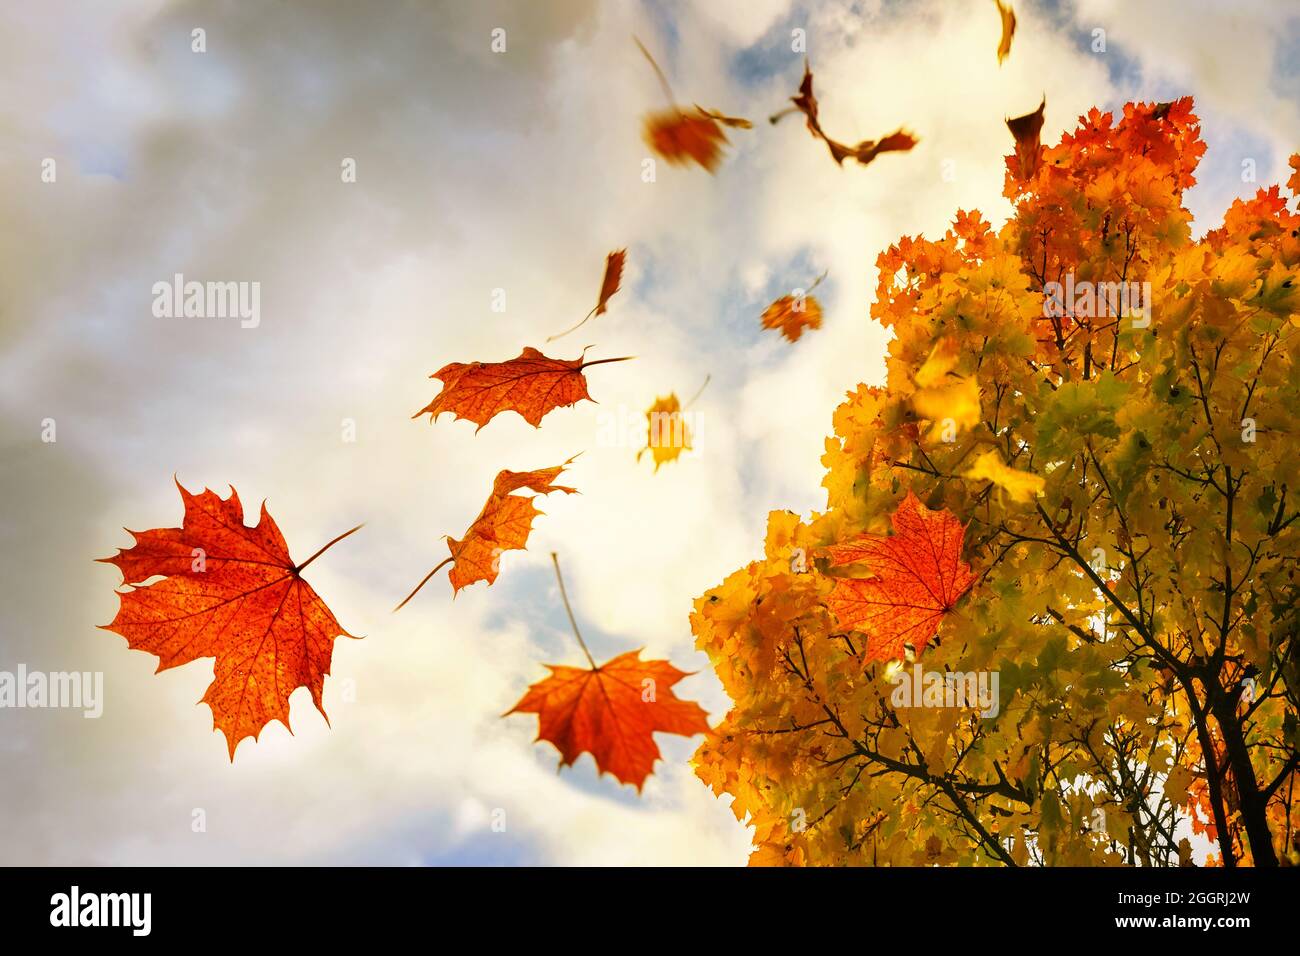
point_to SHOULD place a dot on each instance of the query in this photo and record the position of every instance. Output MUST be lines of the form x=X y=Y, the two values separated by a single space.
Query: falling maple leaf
x=611 y=710
x=679 y=137
x=230 y=592
x=682 y=136
x=605 y=711
x=530 y=385
x=668 y=434
x=866 y=151
x=1026 y=130
x=791 y=314
x=917 y=576
x=608 y=286
x=1008 y=29
x=503 y=525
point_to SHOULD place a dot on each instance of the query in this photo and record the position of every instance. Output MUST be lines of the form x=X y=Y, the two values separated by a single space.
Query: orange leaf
x=530 y=385
x=233 y=593
x=608 y=286
x=612 y=712
x=866 y=151
x=680 y=137
x=917 y=578
x=503 y=525
x=792 y=315
x=613 y=276
x=1008 y=30
x=1026 y=130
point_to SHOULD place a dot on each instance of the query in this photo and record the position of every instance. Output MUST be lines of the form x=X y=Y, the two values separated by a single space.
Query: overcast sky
x=476 y=171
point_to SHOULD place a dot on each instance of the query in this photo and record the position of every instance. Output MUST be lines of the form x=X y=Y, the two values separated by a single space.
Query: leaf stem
x=625 y=358
x=572 y=328
x=555 y=559
x=299 y=568
x=700 y=392
x=441 y=565
x=776 y=117
x=663 y=80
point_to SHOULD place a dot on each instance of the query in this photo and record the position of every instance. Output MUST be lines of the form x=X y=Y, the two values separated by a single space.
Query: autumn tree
x=1094 y=413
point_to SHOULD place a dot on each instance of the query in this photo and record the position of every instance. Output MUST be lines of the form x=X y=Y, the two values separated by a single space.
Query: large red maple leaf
x=917 y=577
x=612 y=712
x=230 y=592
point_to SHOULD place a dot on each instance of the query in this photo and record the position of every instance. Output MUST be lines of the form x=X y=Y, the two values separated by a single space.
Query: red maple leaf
x=612 y=712
x=230 y=592
x=530 y=385
x=917 y=576
x=503 y=525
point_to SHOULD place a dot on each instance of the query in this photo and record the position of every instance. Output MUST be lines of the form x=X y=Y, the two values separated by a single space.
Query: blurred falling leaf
x=1008 y=29
x=1026 y=130
x=791 y=314
x=866 y=151
x=682 y=136
x=668 y=435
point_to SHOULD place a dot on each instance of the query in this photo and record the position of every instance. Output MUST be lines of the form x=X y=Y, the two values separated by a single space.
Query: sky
x=476 y=171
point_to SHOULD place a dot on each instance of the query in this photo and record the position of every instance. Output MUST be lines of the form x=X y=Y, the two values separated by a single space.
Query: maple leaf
x=791 y=314
x=232 y=593
x=668 y=435
x=1026 y=129
x=917 y=578
x=503 y=525
x=608 y=286
x=612 y=711
x=531 y=385
x=682 y=136
x=1008 y=30
x=864 y=152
